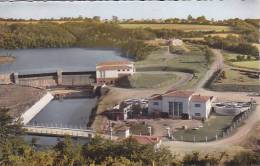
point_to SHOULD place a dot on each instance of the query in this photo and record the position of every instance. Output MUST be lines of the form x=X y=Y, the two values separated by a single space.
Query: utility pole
x=150 y=130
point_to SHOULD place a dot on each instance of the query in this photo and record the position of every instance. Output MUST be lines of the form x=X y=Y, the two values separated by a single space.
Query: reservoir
x=67 y=113
x=33 y=61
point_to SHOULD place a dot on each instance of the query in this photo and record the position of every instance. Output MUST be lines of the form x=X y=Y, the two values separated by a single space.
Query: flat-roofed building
x=110 y=71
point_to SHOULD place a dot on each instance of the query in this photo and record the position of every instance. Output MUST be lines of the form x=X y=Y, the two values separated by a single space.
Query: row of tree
x=230 y=43
x=89 y=33
x=94 y=33
x=100 y=152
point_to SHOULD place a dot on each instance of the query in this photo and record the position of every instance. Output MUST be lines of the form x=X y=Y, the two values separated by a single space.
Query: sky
x=216 y=9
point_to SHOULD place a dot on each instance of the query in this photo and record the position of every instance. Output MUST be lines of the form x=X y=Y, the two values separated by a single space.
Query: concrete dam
x=48 y=80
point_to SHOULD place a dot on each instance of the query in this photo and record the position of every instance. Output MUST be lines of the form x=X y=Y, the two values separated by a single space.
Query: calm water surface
x=29 y=61
x=66 y=113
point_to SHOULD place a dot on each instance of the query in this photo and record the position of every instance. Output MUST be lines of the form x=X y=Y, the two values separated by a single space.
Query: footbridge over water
x=60 y=131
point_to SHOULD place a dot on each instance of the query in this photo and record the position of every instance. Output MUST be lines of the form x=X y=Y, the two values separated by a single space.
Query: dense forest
x=75 y=34
x=86 y=32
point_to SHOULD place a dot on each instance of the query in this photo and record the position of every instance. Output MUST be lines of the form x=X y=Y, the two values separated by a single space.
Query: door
x=170 y=108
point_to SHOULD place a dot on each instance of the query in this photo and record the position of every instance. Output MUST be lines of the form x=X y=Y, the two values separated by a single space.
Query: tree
x=201 y=19
x=67 y=153
x=8 y=128
x=208 y=55
x=115 y=19
x=190 y=18
x=97 y=18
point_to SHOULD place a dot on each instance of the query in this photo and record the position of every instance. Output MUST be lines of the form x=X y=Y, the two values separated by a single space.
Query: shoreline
x=6 y=59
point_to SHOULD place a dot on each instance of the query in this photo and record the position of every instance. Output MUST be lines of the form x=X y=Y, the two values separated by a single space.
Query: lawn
x=191 y=62
x=184 y=27
x=237 y=81
x=248 y=64
x=222 y=34
x=143 y=80
x=214 y=125
x=231 y=59
x=238 y=77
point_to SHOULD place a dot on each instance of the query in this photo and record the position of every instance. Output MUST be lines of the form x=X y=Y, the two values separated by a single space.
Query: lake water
x=30 y=61
x=65 y=113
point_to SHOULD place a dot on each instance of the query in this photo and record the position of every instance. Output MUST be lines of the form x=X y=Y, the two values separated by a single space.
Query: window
x=123 y=69
x=176 y=110
x=118 y=70
x=197 y=114
x=127 y=69
x=197 y=105
x=180 y=109
x=155 y=103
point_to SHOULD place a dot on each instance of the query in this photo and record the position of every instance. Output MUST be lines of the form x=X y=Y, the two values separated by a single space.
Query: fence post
x=216 y=136
x=206 y=139
x=193 y=139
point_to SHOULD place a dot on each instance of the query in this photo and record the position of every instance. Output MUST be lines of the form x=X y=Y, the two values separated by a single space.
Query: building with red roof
x=141 y=139
x=180 y=104
x=109 y=72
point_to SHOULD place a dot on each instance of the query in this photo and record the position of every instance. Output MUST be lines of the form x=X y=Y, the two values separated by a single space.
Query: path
x=216 y=65
x=229 y=143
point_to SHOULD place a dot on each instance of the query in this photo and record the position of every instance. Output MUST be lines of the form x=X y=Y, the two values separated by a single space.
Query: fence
x=222 y=133
x=60 y=129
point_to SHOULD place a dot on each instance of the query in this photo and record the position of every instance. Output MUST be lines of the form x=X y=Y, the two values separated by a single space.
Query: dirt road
x=216 y=65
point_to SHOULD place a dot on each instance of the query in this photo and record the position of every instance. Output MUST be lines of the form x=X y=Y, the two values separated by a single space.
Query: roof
x=146 y=139
x=114 y=63
x=156 y=97
x=113 y=68
x=179 y=94
x=199 y=98
x=120 y=128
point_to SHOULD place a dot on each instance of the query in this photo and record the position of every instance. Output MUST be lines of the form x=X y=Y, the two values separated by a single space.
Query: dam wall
x=44 y=81
x=36 y=108
x=48 y=80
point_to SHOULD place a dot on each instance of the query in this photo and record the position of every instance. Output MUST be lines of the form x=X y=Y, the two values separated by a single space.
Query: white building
x=109 y=72
x=175 y=42
x=177 y=104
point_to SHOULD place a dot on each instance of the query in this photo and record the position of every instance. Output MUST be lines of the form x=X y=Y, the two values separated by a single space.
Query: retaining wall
x=36 y=108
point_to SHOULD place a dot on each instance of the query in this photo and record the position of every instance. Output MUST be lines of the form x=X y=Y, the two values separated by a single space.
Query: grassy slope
x=185 y=27
x=192 y=61
x=248 y=64
x=152 y=80
x=215 y=124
